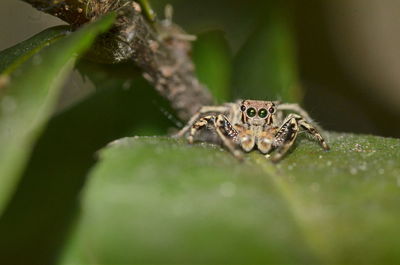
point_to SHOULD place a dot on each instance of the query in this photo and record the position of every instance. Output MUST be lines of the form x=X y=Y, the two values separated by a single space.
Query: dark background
x=346 y=52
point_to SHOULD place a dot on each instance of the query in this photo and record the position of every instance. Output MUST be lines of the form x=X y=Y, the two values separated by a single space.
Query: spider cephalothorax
x=257 y=113
x=254 y=124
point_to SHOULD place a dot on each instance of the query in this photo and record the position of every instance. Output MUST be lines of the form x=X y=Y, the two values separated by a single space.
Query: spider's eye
x=243 y=108
x=271 y=110
x=262 y=113
x=251 y=112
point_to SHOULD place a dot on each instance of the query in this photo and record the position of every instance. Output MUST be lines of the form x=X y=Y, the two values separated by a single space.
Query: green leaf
x=160 y=200
x=14 y=56
x=265 y=67
x=27 y=102
x=213 y=60
x=37 y=226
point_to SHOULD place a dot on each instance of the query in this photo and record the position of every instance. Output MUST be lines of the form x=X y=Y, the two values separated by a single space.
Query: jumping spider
x=254 y=124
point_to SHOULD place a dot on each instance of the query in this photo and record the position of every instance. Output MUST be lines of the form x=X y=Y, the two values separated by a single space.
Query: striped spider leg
x=287 y=133
x=226 y=132
x=202 y=112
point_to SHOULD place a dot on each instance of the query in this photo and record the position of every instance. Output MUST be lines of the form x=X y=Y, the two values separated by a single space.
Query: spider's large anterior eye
x=251 y=112
x=243 y=108
x=262 y=113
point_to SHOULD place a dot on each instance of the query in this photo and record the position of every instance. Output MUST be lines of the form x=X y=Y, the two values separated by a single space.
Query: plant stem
x=162 y=51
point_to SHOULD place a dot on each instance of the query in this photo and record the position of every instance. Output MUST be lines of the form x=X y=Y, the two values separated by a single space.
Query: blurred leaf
x=213 y=59
x=14 y=56
x=159 y=200
x=124 y=104
x=234 y=17
x=265 y=67
x=27 y=102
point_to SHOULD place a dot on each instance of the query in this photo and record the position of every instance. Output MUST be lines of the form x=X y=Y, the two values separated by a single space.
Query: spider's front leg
x=204 y=110
x=314 y=132
x=199 y=124
x=296 y=108
x=285 y=137
x=224 y=129
x=287 y=134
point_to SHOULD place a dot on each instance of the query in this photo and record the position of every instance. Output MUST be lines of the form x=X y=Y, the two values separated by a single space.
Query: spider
x=254 y=124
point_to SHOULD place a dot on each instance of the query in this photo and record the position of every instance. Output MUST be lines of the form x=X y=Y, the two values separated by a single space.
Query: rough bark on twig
x=161 y=50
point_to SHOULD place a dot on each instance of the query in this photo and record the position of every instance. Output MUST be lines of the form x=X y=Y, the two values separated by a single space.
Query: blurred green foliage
x=13 y=57
x=25 y=111
x=265 y=66
x=213 y=60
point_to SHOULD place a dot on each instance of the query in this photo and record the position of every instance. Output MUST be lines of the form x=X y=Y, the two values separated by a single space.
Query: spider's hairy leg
x=314 y=132
x=285 y=137
x=196 y=117
x=227 y=134
x=198 y=125
x=224 y=129
x=296 y=108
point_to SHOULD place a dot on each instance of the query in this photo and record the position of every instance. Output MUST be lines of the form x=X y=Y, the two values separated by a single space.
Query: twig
x=161 y=50
x=75 y=12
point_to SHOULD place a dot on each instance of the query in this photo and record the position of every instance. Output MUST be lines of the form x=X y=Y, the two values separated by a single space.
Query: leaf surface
x=14 y=56
x=153 y=200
